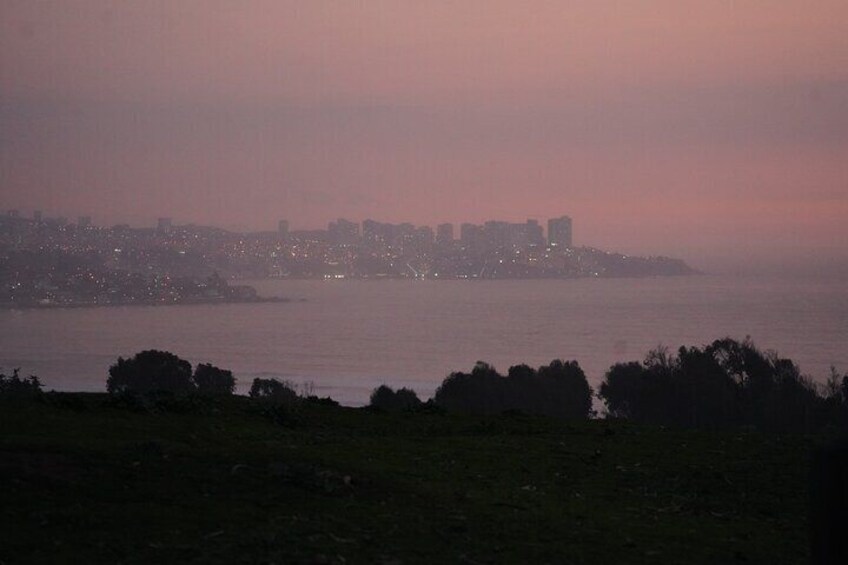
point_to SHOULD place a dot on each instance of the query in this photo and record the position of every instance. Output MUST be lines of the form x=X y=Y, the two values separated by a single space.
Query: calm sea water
x=346 y=337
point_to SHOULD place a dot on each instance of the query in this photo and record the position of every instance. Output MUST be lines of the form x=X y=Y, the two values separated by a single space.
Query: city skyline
x=50 y=262
x=164 y=223
x=828 y=266
x=711 y=132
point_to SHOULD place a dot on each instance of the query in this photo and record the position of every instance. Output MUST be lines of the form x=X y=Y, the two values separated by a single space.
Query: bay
x=347 y=337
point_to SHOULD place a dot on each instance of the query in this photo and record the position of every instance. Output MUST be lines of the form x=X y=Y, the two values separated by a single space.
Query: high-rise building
x=468 y=232
x=37 y=216
x=521 y=236
x=559 y=232
x=471 y=237
x=534 y=233
x=283 y=228
x=495 y=235
x=372 y=232
x=164 y=225
x=424 y=239
x=84 y=222
x=343 y=231
x=444 y=234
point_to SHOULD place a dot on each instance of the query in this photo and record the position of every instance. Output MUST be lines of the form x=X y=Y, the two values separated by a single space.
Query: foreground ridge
x=220 y=481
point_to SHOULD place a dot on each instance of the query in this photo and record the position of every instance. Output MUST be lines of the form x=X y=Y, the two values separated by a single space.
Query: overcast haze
x=713 y=131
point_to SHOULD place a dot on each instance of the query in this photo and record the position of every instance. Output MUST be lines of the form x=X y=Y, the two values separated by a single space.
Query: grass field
x=84 y=481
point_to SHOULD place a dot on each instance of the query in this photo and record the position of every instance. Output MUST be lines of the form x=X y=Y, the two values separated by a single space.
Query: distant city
x=51 y=261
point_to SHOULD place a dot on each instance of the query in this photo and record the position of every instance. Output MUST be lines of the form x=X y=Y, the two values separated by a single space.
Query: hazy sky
x=716 y=131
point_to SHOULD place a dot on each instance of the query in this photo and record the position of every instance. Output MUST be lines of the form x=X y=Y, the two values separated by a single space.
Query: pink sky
x=715 y=131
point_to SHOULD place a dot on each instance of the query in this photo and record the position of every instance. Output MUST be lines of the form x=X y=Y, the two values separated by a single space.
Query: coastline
x=156 y=303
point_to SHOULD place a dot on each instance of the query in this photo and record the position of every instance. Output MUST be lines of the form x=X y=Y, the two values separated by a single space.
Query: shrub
x=321 y=401
x=559 y=389
x=211 y=380
x=276 y=400
x=14 y=387
x=835 y=392
x=402 y=400
x=150 y=371
x=273 y=390
x=725 y=384
x=480 y=391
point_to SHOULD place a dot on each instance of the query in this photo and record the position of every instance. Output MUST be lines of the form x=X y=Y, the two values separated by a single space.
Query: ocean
x=343 y=338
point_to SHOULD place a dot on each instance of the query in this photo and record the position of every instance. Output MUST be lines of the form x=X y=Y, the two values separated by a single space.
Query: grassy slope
x=226 y=485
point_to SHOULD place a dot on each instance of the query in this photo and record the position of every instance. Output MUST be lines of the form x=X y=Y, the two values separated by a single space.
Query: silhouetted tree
x=403 y=400
x=836 y=398
x=211 y=380
x=562 y=390
x=727 y=383
x=150 y=371
x=624 y=391
x=774 y=395
x=480 y=391
x=559 y=389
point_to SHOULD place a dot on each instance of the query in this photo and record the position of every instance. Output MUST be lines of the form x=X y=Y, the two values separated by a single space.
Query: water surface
x=348 y=336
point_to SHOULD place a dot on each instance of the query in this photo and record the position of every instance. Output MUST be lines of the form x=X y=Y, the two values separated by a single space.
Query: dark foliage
x=321 y=401
x=15 y=387
x=287 y=415
x=149 y=372
x=561 y=389
x=725 y=384
x=210 y=380
x=480 y=391
x=829 y=502
x=558 y=389
x=163 y=402
x=167 y=402
x=273 y=390
x=836 y=398
x=402 y=400
x=72 y=401
x=130 y=402
x=276 y=400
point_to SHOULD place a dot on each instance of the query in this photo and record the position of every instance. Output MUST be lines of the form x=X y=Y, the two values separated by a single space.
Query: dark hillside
x=85 y=480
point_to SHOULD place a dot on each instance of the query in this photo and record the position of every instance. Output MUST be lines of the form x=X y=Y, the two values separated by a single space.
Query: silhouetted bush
x=402 y=400
x=835 y=392
x=559 y=389
x=727 y=383
x=150 y=371
x=168 y=402
x=211 y=380
x=273 y=390
x=73 y=401
x=164 y=402
x=276 y=400
x=480 y=391
x=130 y=401
x=15 y=387
x=321 y=401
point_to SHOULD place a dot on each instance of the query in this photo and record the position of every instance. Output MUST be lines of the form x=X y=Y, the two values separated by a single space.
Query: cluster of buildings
x=37 y=247
x=492 y=234
x=489 y=236
x=380 y=249
x=47 y=262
